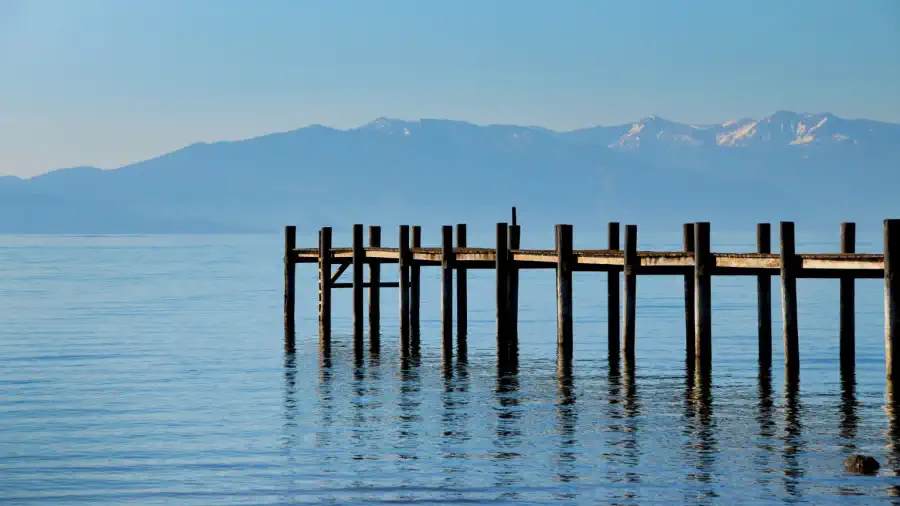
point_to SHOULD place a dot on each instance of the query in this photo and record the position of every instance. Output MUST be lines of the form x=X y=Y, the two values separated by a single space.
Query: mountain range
x=815 y=168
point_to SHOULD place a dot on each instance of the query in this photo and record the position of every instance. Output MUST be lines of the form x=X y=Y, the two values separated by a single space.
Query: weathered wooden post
x=462 y=305
x=891 y=294
x=789 y=302
x=290 y=268
x=325 y=285
x=415 y=288
x=687 y=233
x=629 y=277
x=612 y=295
x=564 y=264
x=512 y=311
x=447 y=261
x=764 y=298
x=374 y=290
x=403 y=286
x=359 y=260
x=848 y=302
x=702 y=299
x=502 y=270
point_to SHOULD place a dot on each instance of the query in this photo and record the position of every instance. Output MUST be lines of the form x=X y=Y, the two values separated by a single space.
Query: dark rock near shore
x=862 y=464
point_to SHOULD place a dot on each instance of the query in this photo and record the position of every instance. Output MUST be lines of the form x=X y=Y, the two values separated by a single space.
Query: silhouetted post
x=512 y=303
x=447 y=290
x=612 y=295
x=687 y=233
x=848 y=302
x=325 y=285
x=502 y=268
x=631 y=263
x=891 y=293
x=374 y=290
x=462 y=304
x=514 y=222
x=359 y=260
x=702 y=299
x=290 y=267
x=789 y=302
x=564 y=261
x=403 y=262
x=764 y=297
x=415 y=287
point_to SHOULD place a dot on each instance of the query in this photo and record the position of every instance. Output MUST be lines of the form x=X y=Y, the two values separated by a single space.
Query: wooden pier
x=696 y=263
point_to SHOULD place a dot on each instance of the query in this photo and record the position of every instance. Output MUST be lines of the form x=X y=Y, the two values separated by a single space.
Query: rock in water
x=862 y=464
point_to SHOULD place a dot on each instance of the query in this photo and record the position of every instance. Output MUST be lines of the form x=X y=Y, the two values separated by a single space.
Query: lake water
x=150 y=370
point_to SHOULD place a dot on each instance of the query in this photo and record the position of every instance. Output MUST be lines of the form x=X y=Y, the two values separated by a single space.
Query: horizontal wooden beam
x=392 y=284
x=810 y=265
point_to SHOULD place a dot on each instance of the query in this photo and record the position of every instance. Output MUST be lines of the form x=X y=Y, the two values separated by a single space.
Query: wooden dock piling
x=462 y=292
x=358 y=259
x=848 y=302
x=415 y=289
x=374 y=291
x=564 y=293
x=687 y=233
x=789 y=301
x=892 y=298
x=631 y=263
x=447 y=290
x=612 y=295
x=403 y=260
x=290 y=244
x=325 y=285
x=702 y=299
x=501 y=267
x=512 y=290
x=764 y=297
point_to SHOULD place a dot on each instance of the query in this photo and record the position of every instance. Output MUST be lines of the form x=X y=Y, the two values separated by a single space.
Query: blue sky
x=110 y=82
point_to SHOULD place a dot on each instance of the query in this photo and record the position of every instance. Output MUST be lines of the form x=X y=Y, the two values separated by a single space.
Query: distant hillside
x=816 y=168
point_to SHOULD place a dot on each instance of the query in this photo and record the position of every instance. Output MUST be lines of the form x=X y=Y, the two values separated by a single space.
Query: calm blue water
x=149 y=370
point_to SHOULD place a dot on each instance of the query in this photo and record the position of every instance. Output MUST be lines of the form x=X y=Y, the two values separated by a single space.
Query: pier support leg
x=325 y=288
x=764 y=298
x=687 y=233
x=612 y=295
x=848 y=302
x=415 y=290
x=564 y=346
x=447 y=292
x=512 y=303
x=789 y=302
x=290 y=267
x=891 y=300
x=630 y=293
x=359 y=260
x=374 y=292
x=502 y=271
x=462 y=305
x=702 y=299
x=403 y=263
